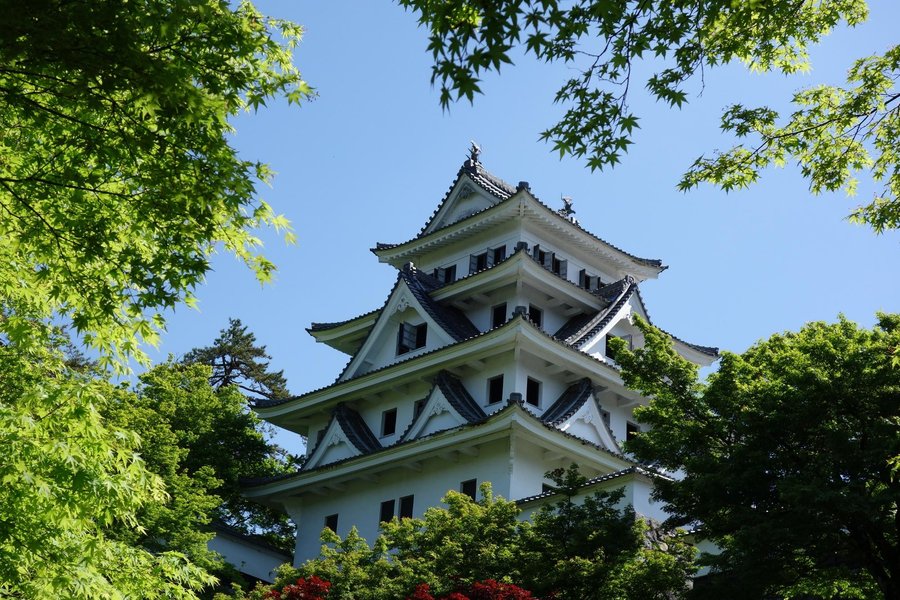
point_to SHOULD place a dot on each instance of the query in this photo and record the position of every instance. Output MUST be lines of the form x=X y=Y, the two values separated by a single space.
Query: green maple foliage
x=787 y=455
x=117 y=184
x=835 y=135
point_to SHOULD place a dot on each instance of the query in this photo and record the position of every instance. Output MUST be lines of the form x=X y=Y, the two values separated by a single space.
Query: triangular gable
x=576 y=412
x=618 y=322
x=447 y=405
x=475 y=190
x=404 y=305
x=589 y=423
x=346 y=436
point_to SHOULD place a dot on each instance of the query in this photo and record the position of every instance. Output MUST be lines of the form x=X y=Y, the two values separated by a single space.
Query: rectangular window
x=495 y=389
x=445 y=274
x=609 y=351
x=331 y=522
x=418 y=407
x=498 y=315
x=631 y=430
x=406 y=507
x=559 y=266
x=478 y=262
x=588 y=282
x=389 y=422
x=469 y=487
x=499 y=254
x=535 y=315
x=411 y=337
x=387 y=511
x=533 y=392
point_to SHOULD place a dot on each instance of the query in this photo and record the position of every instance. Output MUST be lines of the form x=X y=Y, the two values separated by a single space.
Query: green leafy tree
x=786 y=455
x=68 y=477
x=202 y=442
x=237 y=360
x=118 y=180
x=117 y=183
x=834 y=134
x=589 y=546
x=573 y=549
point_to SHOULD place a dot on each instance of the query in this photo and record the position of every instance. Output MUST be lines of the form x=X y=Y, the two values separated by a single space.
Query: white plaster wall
x=458 y=254
x=606 y=272
x=248 y=558
x=527 y=470
x=360 y=503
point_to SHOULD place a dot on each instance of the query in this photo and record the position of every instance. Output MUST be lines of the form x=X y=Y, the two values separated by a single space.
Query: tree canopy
x=118 y=180
x=788 y=457
x=480 y=549
x=835 y=134
x=117 y=183
x=236 y=359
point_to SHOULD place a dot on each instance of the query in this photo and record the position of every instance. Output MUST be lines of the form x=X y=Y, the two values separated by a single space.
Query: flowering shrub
x=489 y=589
x=313 y=588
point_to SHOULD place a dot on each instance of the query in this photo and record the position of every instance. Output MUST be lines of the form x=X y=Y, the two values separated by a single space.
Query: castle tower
x=487 y=362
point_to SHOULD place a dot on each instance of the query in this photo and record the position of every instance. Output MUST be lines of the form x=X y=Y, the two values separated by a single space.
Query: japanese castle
x=487 y=362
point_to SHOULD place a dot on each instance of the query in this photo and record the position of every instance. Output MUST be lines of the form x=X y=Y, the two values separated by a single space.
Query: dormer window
x=445 y=274
x=411 y=337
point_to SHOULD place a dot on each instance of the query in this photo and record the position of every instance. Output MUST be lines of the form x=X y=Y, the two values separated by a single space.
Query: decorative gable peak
x=447 y=405
x=475 y=189
x=346 y=436
x=410 y=323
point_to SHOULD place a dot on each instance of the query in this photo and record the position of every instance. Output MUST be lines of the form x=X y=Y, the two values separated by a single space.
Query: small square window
x=331 y=522
x=389 y=422
x=469 y=487
x=499 y=254
x=406 y=507
x=411 y=337
x=558 y=266
x=632 y=430
x=478 y=262
x=533 y=392
x=535 y=315
x=498 y=315
x=445 y=274
x=387 y=511
x=495 y=389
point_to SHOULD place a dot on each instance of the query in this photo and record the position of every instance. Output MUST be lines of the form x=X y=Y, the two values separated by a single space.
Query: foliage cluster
x=480 y=549
x=788 y=455
x=834 y=134
x=117 y=182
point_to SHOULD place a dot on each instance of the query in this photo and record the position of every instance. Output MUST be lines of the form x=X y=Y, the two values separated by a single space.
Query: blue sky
x=372 y=156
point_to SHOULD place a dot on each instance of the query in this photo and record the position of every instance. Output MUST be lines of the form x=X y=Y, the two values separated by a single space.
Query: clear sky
x=372 y=156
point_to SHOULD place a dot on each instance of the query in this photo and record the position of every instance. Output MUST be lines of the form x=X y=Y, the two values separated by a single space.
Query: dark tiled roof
x=356 y=430
x=256 y=482
x=459 y=398
x=574 y=325
x=474 y=169
x=451 y=320
x=624 y=288
x=504 y=191
x=325 y=326
x=569 y=402
x=593 y=481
